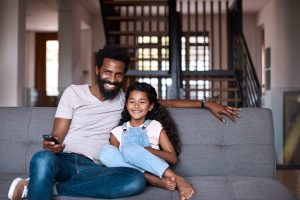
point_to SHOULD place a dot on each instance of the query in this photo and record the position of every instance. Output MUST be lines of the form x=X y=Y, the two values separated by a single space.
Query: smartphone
x=49 y=137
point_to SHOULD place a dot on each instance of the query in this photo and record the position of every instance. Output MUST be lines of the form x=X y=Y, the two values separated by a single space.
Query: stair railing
x=240 y=60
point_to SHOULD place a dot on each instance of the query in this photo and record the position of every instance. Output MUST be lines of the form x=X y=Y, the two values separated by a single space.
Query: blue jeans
x=134 y=156
x=76 y=175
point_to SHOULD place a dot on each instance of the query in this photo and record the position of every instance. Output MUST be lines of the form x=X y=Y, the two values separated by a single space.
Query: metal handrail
x=250 y=88
x=241 y=62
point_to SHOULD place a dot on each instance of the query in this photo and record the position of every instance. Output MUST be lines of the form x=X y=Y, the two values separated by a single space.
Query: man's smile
x=110 y=86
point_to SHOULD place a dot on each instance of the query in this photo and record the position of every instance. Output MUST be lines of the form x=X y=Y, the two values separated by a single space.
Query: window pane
x=195 y=57
x=154 y=59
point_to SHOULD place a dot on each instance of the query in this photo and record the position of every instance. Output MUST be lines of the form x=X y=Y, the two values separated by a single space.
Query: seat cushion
x=239 y=188
x=207 y=188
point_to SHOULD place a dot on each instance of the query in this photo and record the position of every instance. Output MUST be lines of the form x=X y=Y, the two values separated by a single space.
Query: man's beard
x=111 y=93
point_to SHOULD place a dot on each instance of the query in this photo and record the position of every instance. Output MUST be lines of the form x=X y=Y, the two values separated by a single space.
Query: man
x=83 y=120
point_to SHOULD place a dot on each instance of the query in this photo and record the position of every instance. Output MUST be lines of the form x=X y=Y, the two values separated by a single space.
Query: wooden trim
x=40 y=57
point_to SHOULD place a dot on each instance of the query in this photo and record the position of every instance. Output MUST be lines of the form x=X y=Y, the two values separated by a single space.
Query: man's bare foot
x=168 y=183
x=185 y=189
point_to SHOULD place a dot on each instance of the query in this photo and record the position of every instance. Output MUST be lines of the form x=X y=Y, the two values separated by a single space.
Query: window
x=194 y=53
x=52 y=67
x=155 y=57
x=195 y=57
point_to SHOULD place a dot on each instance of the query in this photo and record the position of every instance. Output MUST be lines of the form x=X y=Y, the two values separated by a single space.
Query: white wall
x=86 y=66
x=29 y=59
x=12 y=44
x=280 y=21
x=17 y=54
x=71 y=16
x=98 y=36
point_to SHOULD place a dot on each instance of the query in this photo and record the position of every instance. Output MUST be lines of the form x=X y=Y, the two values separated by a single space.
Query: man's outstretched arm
x=216 y=109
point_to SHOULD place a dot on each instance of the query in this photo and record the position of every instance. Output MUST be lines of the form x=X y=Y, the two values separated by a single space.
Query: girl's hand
x=218 y=110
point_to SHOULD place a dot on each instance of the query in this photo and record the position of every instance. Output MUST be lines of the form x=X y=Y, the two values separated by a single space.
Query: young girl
x=146 y=139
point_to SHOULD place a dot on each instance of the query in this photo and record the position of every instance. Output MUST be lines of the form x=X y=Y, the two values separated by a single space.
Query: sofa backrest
x=21 y=130
x=209 y=147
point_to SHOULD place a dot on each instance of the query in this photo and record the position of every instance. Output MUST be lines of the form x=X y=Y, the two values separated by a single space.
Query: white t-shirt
x=92 y=119
x=153 y=132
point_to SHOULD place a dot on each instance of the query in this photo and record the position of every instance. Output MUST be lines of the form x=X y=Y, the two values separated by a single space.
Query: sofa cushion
x=13 y=138
x=207 y=188
x=222 y=160
x=210 y=147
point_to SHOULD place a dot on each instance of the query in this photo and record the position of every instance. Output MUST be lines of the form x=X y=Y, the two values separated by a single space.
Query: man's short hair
x=113 y=52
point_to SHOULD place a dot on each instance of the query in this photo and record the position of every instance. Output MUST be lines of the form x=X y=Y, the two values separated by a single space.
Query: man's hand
x=51 y=146
x=60 y=130
x=218 y=110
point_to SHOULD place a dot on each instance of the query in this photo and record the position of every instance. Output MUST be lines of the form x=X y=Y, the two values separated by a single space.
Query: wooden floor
x=291 y=179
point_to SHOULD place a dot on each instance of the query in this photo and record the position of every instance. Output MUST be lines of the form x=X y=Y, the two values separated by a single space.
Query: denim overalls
x=135 y=135
x=132 y=152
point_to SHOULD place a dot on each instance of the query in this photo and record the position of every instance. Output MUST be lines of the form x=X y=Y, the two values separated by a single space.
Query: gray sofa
x=233 y=161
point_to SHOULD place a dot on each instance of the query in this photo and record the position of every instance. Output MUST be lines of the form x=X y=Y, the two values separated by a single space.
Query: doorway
x=46 y=74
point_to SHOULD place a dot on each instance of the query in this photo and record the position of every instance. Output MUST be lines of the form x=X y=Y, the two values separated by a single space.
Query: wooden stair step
x=209 y=73
x=152 y=74
x=215 y=79
x=136 y=2
x=148 y=46
x=137 y=18
x=213 y=89
x=138 y=33
x=148 y=59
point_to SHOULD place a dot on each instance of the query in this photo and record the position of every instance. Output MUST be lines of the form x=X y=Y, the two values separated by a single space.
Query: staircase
x=218 y=85
x=140 y=27
x=179 y=59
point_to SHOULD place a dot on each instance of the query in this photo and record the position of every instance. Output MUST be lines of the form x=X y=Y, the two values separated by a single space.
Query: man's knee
x=41 y=161
x=137 y=183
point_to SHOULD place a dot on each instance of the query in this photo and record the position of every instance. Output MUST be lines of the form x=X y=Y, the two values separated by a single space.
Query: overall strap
x=146 y=123
x=124 y=127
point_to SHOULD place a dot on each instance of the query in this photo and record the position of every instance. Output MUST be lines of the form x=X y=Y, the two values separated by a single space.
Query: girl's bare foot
x=185 y=189
x=168 y=183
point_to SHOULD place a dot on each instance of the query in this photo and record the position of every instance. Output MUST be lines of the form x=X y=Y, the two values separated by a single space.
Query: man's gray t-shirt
x=91 y=119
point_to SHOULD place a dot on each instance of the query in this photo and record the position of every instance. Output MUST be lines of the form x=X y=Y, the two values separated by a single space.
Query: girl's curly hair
x=157 y=113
